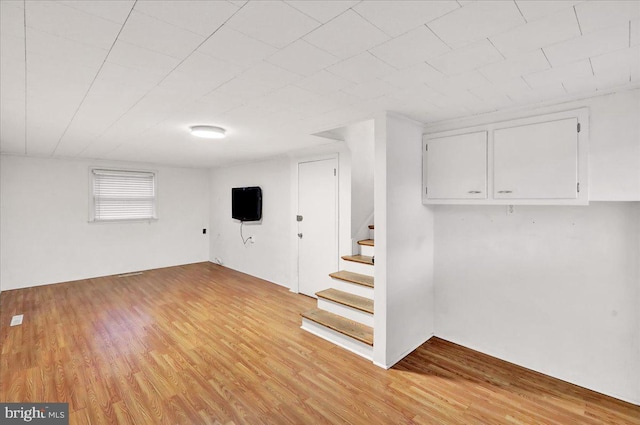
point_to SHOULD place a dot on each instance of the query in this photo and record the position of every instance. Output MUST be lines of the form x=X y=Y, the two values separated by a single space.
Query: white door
x=318 y=228
x=536 y=161
x=455 y=167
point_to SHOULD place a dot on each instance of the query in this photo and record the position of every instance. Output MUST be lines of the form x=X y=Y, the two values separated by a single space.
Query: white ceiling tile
x=333 y=37
x=324 y=82
x=12 y=136
x=597 y=14
x=468 y=80
x=321 y=10
x=476 y=21
x=370 y=89
x=411 y=48
x=112 y=10
x=515 y=88
x=634 y=37
x=559 y=74
x=492 y=97
x=538 y=94
x=592 y=83
x=618 y=65
x=536 y=9
x=201 y=17
x=60 y=20
x=119 y=75
x=200 y=73
x=302 y=58
x=275 y=23
x=63 y=51
x=395 y=18
x=12 y=19
x=235 y=47
x=11 y=49
x=150 y=33
x=543 y=32
x=591 y=44
x=290 y=97
x=127 y=54
x=361 y=68
x=466 y=58
x=516 y=66
x=258 y=81
x=418 y=74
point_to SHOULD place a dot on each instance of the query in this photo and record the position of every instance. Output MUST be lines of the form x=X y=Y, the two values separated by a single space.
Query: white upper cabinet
x=536 y=161
x=456 y=166
x=540 y=160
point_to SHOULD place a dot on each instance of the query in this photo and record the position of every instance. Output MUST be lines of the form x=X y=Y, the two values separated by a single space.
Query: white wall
x=554 y=289
x=404 y=297
x=360 y=140
x=269 y=257
x=614 y=145
x=45 y=236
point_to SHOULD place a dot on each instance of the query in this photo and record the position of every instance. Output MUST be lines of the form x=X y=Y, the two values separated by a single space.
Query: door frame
x=295 y=287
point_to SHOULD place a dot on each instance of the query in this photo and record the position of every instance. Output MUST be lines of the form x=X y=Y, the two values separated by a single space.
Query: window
x=122 y=195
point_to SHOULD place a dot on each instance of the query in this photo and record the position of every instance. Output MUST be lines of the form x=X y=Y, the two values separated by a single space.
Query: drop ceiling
x=124 y=80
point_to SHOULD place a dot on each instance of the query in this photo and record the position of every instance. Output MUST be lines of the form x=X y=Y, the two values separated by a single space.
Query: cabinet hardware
x=578 y=127
x=474 y=191
x=505 y=191
x=426 y=190
x=578 y=187
x=426 y=148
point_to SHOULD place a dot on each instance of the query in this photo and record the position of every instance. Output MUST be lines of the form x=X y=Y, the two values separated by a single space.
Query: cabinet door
x=536 y=161
x=455 y=167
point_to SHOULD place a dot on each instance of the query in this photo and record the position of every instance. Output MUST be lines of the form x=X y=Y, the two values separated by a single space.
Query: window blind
x=123 y=195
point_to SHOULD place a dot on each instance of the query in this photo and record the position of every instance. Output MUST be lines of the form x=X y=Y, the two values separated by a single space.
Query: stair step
x=364 y=259
x=345 y=298
x=367 y=242
x=371 y=227
x=339 y=324
x=357 y=278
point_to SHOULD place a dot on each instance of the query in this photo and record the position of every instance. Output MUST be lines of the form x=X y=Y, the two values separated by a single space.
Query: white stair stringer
x=346 y=311
x=352 y=288
x=338 y=339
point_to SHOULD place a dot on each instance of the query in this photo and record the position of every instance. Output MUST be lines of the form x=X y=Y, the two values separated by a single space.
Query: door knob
x=300 y=235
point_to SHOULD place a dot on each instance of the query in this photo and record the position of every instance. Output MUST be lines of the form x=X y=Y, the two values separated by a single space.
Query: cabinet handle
x=474 y=191
x=505 y=191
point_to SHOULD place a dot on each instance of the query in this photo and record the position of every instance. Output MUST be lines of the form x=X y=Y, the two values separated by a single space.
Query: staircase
x=344 y=313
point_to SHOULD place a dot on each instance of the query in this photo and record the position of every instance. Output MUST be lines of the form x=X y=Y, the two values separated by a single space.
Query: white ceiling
x=123 y=80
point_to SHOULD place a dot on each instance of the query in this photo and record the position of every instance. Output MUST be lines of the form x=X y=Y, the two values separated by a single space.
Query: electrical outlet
x=16 y=320
x=511 y=209
x=204 y=231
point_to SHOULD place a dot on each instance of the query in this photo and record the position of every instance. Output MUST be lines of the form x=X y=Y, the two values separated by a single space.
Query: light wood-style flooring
x=202 y=344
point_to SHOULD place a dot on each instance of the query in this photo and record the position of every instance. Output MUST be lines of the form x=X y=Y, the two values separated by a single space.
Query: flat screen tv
x=246 y=203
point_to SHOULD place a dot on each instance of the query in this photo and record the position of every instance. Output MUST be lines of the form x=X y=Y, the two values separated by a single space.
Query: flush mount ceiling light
x=208 y=131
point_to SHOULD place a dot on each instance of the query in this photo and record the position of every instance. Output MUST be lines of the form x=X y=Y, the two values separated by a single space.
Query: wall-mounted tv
x=246 y=203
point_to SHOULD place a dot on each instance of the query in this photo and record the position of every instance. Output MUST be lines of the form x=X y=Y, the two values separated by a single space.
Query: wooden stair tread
x=339 y=324
x=371 y=227
x=364 y=259
x=367 y=242
x=345 y=298
x=357 y=278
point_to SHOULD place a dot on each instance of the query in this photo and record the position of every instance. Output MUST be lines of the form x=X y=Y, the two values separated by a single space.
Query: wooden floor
x=201 y=344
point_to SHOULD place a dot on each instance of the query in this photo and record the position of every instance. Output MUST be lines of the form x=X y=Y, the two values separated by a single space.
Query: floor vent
x=130 y=274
